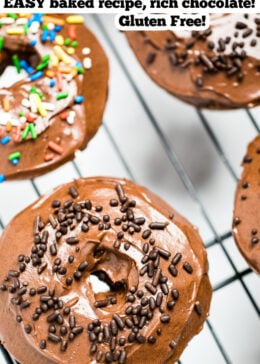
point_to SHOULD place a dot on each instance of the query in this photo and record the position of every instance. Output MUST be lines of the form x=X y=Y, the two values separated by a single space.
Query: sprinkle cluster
x=218 y=58
x=110 y=338
x=55 y=70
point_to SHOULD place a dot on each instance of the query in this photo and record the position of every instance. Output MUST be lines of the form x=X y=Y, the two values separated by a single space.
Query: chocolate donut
x=57 y=108
x=246 y=222
x=152 y=259
x=217 y=68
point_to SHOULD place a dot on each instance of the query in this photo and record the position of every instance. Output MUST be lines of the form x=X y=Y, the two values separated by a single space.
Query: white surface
x=233 y=317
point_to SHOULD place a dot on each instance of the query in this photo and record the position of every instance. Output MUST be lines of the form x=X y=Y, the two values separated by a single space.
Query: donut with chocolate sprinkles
x=57 y=106
x=158 y=294
x=217 y=68
x=246 y=218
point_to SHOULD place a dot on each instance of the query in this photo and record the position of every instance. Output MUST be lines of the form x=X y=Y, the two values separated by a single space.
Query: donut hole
x=111 y=276
x=10 y=76
x=8 y=72
x=98 y=285
x=101 y=283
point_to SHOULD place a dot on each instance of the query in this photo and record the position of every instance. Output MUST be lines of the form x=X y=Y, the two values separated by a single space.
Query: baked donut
x=57 y=108
x=218 y=68
x=246 y=222
x=152 y=259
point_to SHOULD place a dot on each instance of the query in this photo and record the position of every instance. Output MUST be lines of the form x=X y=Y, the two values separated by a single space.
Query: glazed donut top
x=152 y=259
x=212 y=65
x=54 y=52
x=246 y=222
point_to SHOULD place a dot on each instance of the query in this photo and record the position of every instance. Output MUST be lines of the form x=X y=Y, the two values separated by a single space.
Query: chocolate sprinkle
x=73 y=192
x=150 y=287
x=156 y=277
x=163 y=253
x=187 y=267
x=150 y=58
x=43 y=344
x=146 y=234
x=176 y=259
x=72 y=240
x=119 y=321
x=165 y=319
x=28 y=329
x=77 y=330
x=236 y=221
x=121 y=193
x=64 y=345
x=172 y=344
x=54 y=338
x=198 y=308
x=158 y=225
x=173 y=270
x=241 y=25
x=32 y=292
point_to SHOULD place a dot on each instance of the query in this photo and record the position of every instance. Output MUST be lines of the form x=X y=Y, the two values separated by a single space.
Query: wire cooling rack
x=189 y=157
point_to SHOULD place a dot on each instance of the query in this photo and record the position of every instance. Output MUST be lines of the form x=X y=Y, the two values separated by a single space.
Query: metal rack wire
x=176 y=163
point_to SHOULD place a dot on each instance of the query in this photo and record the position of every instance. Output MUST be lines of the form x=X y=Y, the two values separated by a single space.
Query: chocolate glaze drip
x=152 y=259
x=92 y=85
x=217 y=68
x=246 y=221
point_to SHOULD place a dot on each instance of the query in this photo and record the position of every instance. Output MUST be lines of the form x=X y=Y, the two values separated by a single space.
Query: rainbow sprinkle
x=55 y=70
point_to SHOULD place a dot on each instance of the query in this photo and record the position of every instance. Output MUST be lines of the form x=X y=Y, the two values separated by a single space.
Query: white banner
x=130 y=6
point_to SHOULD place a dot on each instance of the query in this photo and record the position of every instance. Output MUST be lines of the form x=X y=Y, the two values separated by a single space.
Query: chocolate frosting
x=246 y=222
x=92 y=85
x=229 y=75
x=152 y=258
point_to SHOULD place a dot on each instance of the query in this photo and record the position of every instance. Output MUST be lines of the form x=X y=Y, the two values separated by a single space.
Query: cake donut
x=246 y=222
x=151 y=258
x=57 y=107
x=218 y=68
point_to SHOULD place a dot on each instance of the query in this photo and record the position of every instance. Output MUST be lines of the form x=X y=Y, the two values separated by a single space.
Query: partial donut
x=152 y=259
x=246 y=222
x=57 y=108
x=217 y=68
